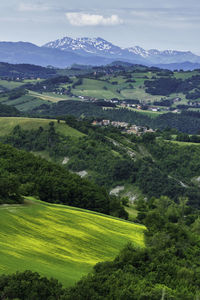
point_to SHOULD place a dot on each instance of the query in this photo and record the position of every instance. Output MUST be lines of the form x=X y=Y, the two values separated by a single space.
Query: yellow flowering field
x=60 y=241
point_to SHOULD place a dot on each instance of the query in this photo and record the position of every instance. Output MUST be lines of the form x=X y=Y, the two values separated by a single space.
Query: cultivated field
x=60 y=241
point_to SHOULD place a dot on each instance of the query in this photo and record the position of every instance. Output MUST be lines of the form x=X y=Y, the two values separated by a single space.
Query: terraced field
x=60 y=241
x=7 y=125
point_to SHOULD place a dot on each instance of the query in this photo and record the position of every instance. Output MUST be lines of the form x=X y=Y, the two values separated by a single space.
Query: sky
x=151 y=24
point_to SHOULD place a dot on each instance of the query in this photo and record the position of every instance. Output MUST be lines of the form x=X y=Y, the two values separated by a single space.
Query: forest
x=166 y=86
x=167 y=269
x=23 y=174
x=184 y=122
x=20 y=71
x=167 y=169
x=8 y=111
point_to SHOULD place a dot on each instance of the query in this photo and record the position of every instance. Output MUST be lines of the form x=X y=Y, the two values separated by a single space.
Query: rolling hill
x=8 y=123
x=61 y=242
x=149 y=86
x=25 y=70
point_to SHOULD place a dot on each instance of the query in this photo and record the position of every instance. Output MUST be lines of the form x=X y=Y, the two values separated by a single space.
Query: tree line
x=168 y=170
x=23 y=174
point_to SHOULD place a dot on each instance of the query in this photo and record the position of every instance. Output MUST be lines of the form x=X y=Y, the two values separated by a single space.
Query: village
x=134 y=104
x=126 y=127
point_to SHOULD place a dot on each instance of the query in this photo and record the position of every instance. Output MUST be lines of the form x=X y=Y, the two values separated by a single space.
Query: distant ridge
x=101 y=47
x=65 y=52
x=28 y=53
x=180 y=66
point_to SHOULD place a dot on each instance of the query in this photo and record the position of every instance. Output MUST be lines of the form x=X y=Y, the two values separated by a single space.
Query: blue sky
x=171 y=24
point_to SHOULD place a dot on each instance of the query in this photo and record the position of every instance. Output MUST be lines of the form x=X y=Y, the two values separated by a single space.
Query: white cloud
x=31 y=7
x=83 y=19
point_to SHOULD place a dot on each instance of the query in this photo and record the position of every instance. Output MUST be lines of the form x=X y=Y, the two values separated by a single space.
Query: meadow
x=184 y=143
x=8 y=123
x=24 y=103
x=10 y=84
x=105 y=87
x=50 y=96
x=60 y=241
x=96 y=88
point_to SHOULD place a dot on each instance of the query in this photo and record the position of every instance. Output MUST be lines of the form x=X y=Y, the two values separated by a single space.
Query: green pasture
x=24 y=103
x=3 y=99
x=185 y=75
x=119 y=79
x=32 y=80
x=60 y=241
x=50 y=96
x=8 y=123
x=152 y=114
x=97 y=89
x=139 y=94
x=103 y=89
x=10 y=84
x=184 y=143
x=34 y=99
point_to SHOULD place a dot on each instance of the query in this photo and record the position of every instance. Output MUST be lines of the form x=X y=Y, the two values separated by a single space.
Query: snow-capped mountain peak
x=139 y=51
x=90 y=45
x=100 y=47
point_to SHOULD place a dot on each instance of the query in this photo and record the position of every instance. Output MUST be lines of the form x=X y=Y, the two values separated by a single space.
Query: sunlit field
x=60 y=241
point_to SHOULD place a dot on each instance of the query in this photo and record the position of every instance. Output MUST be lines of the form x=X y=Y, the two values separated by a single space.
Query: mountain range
x=64 y=52
x=100 y=47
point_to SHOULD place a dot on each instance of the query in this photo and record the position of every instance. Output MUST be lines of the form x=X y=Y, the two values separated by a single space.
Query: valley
x=99 y=182
x=109 y=157
x=99 y=150
x=117 y=86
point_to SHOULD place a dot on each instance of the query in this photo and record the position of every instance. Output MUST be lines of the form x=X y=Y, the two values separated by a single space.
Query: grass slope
x=96 y=88
x=10 y=84
x=60 y=241
x=8 y=123
x=184 y=143
x=24 y=103
x=50 y=97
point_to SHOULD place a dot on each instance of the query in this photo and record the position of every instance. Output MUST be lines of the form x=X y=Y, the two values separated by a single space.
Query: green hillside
x=58 y=241
x=49 y=97
x=162 y=89
x=10 y=84
x=96 y=88
x=23 y=103
x=8 y=123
